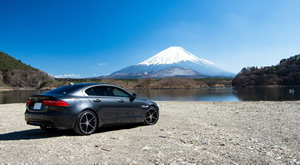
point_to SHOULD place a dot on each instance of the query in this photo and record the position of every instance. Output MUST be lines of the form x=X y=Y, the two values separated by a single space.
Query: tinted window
x=63 y=89
x=97 y=91
x=90 y=92
x=119 y=93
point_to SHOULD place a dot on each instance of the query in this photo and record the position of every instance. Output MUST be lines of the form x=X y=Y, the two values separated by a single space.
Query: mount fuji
x=172 y=62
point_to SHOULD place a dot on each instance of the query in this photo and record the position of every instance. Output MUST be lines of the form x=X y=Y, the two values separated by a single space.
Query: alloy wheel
x=87 y=123
x=151 y=116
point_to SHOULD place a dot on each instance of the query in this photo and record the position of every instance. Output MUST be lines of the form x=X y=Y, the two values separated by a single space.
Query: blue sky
x=72 y=38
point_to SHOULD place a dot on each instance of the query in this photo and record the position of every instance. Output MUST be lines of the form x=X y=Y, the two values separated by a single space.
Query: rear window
x=63 y=89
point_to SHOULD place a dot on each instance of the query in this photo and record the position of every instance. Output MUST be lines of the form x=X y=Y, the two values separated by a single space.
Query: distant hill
x=9 y=63
x=14 y=73
x=286 y=73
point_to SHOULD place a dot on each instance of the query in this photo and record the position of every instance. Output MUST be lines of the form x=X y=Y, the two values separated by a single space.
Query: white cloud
x=68 y=76
x=102 y=64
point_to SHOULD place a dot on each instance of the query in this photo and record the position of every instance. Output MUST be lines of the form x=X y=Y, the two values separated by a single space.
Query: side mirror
x=133 y=96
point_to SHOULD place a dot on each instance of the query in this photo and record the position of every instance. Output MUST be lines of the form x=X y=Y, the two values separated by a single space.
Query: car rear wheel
x=86 y=123
x=151 y=116
x=48 y=128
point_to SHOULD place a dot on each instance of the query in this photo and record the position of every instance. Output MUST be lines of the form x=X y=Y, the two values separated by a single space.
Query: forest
x=286 y=73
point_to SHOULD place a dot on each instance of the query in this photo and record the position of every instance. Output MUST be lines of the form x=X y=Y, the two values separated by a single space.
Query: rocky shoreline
x=187 y=133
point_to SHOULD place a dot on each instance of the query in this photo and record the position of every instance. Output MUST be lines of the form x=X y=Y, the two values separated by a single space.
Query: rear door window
x=97 y=91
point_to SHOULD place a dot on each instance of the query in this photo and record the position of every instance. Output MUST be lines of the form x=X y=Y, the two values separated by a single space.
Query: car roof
x=76 y=88
x=88 y=84
x=95 y=84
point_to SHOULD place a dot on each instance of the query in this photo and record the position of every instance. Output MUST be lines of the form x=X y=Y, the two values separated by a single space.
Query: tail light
x=55 y=103
x=28 y=102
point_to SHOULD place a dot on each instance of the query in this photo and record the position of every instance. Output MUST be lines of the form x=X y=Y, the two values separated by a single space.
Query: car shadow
x=117 y=127
x=34 y=134
x=40 y=134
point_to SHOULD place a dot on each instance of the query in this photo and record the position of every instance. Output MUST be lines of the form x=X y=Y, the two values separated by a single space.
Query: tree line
x=286 y=73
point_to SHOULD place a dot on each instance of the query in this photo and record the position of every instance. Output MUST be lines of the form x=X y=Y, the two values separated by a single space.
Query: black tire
x=87 y=123
x=48 y=129
x=151 y=116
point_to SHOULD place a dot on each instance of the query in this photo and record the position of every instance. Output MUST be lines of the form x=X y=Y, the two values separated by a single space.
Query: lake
x=199 y=94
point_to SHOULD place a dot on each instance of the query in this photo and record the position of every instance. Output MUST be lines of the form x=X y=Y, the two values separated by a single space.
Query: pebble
x=145 y=148
x=134 y=162
x=128 y=160
x=269 y=154
x=163 y=136
x=204 y=143
x=197 y=148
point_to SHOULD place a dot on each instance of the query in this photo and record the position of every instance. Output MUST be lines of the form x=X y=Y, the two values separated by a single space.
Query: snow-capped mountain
x=172 y=57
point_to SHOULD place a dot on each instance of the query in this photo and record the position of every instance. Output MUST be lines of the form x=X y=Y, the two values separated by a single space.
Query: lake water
x=200 y=94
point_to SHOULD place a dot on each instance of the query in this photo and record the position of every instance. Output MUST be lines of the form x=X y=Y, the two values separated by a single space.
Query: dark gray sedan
x=85 y=107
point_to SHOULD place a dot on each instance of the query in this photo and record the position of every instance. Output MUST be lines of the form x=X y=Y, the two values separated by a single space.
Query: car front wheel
x=151 y=116
x=86 y=123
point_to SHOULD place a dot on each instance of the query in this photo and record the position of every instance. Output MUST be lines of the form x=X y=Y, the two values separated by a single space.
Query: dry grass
x=167 y=83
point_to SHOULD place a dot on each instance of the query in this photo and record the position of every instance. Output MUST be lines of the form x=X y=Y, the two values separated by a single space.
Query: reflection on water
x=268 y=93
x=222 y=94
x=17 y=96
x=200 y=94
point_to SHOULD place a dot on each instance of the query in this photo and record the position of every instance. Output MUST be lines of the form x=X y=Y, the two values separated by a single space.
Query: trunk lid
x=35 y=103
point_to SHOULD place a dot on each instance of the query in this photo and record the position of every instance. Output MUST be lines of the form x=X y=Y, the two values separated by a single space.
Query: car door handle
x=97 y=100
x=121 y=101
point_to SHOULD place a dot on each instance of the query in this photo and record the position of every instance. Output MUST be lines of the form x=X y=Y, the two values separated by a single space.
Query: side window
x=119 y=93
x=97 y=91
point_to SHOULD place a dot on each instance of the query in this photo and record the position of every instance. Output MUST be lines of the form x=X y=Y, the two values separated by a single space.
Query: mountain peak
x=172 y=55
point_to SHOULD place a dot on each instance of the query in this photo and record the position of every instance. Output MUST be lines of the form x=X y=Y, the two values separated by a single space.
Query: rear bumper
x=51 y=118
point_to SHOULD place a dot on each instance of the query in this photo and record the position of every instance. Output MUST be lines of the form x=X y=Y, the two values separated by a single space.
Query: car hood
x=146 y=100
x=143 y=99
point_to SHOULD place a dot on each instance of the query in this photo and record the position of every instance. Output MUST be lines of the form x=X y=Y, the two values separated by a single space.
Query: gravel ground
x=187 y=133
